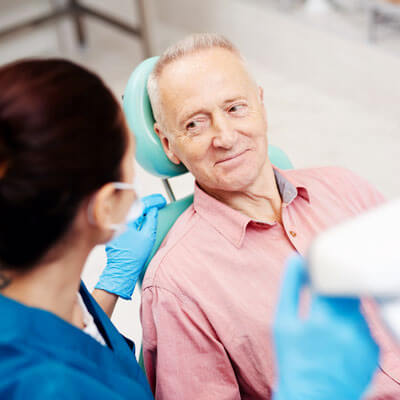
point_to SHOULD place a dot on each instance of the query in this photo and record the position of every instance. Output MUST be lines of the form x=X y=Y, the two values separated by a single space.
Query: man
x=210 y=292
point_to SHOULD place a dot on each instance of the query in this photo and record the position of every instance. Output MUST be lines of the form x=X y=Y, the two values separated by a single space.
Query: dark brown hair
x=62 y=136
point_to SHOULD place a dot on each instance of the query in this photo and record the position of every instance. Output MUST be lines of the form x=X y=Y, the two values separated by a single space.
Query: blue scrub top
x=44 y=357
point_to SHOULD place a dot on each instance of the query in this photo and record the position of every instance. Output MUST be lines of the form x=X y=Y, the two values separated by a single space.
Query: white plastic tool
x=361 y=257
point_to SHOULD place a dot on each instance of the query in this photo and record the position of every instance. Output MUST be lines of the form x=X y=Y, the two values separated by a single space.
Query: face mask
x=134 y=212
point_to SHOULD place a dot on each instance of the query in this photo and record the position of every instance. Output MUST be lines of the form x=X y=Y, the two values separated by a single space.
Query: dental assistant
x=66 y=185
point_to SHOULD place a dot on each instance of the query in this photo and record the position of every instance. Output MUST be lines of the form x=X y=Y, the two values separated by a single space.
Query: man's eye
x=196 y=124
x=191 y=125
x=238 y=109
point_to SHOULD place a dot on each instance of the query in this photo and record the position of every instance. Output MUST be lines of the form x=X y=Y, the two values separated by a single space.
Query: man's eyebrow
x=233 y=99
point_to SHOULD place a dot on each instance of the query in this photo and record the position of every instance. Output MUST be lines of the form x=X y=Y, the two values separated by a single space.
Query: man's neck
x=260 y=201
x=51 y=286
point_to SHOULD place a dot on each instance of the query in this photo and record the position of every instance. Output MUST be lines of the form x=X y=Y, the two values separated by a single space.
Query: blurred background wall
x=330 y=70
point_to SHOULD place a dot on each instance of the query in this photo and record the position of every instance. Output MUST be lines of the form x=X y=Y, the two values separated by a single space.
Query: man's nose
x=225 y=135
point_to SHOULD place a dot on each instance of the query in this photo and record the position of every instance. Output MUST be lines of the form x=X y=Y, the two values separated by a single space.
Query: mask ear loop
x=123 y=185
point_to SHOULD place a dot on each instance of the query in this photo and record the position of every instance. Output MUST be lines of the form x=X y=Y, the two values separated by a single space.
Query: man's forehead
x=212 y=64
x=194 y=80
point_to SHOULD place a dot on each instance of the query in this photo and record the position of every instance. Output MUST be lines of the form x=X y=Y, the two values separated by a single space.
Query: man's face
x=214 y=120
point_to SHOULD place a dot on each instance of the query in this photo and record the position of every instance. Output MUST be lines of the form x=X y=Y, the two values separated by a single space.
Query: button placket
x=291 y=232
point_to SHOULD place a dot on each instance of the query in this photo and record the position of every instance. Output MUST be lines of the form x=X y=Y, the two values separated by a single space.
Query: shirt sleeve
x=182 y=354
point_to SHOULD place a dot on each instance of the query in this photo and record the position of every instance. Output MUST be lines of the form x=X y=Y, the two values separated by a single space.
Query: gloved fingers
x=138 y=222
x=154 y=200
x=149 y=225
x=143 y=220
x=294 y=279
x=337 y=307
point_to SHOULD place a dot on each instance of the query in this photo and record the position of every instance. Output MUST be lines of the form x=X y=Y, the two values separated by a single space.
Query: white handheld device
x=361 y=257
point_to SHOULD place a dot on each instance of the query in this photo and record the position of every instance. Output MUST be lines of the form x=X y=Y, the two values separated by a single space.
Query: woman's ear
x=102 y=207
x=166 y=144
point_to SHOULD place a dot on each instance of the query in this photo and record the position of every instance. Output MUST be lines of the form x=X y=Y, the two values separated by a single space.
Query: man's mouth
x=231 y=157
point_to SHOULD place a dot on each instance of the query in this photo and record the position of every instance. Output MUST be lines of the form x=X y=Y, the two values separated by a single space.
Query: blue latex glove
x=127 y=254
x=327 y=355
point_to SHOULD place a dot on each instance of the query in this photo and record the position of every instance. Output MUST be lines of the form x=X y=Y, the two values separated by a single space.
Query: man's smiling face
x=214 y=120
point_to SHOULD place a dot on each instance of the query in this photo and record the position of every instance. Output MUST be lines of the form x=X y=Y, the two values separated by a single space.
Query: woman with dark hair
x=66 y=158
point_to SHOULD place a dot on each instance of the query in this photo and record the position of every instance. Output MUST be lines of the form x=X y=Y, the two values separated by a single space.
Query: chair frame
x=77 y=11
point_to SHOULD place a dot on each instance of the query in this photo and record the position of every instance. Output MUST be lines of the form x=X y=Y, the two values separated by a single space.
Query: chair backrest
x=149 y=152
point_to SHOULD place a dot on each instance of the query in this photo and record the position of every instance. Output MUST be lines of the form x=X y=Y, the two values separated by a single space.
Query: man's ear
x=261 y=94
x=166 y=144
x=264 y=111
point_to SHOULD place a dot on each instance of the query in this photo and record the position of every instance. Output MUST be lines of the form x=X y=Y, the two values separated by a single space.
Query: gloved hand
x=327 y=355
x=127 y=254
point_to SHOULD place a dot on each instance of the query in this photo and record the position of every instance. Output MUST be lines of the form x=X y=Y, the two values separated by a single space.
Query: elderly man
x=210 y=292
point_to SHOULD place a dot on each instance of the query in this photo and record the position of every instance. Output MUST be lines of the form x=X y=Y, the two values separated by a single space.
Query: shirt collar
x=289 y=189
x=231 y=223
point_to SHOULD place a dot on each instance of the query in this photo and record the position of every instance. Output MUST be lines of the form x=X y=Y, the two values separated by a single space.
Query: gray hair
x=189 y=45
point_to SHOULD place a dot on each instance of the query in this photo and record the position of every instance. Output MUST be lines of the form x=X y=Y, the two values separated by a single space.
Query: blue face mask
x=133 y=214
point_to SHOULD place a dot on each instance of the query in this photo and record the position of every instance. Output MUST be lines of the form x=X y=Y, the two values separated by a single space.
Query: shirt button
x=293 y=233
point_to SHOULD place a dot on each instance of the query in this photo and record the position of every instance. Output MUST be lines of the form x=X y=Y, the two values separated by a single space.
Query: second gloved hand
x=128 y=253
x=327 y=355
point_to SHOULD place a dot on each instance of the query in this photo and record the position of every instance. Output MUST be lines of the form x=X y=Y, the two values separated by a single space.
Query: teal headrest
x=149 y=152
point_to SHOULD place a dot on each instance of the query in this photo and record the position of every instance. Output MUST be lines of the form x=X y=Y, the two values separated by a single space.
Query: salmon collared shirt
x=210 y=293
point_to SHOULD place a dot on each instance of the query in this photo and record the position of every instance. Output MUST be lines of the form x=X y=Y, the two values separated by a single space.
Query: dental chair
x=150 y=154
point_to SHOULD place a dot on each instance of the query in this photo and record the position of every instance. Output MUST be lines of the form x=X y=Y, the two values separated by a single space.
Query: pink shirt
x=210 y=292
